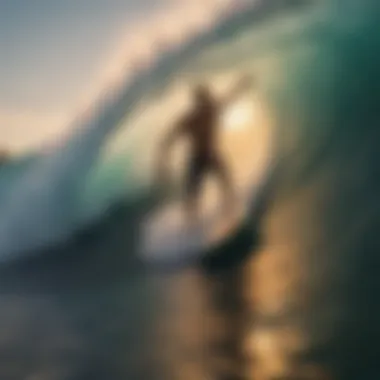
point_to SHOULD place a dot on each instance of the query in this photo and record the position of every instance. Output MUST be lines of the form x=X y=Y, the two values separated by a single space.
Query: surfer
x=200 y=126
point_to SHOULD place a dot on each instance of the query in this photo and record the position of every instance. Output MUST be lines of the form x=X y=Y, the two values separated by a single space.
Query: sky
x=56 y=54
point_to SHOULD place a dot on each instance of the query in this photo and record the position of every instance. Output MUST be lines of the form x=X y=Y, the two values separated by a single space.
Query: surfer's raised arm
x=245 y=83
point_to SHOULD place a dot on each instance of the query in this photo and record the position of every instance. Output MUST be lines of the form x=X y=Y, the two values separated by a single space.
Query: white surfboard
x=169 y=237
x=169 y=234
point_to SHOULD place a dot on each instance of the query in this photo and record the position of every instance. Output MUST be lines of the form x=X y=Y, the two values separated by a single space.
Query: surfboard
x=168 y=235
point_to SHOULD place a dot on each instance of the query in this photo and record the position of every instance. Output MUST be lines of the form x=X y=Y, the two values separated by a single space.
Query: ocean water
x=292 y=294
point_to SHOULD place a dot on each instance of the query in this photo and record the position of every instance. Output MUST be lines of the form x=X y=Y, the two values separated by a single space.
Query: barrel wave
x=310 y=242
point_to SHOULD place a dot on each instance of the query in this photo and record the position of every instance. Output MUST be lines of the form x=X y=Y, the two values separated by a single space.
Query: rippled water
x=105 y=317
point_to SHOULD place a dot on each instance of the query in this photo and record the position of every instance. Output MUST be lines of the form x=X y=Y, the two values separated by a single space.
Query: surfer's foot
x=192 y=216
x=192 y=219
x=230 y=208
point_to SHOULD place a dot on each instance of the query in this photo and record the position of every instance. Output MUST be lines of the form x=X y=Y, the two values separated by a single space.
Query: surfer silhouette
x=200 y=126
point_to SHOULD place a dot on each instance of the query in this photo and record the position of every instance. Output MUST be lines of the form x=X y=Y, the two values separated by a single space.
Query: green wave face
x=315 y=282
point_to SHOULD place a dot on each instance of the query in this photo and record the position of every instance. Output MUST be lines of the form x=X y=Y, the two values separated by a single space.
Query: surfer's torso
x=201 y=129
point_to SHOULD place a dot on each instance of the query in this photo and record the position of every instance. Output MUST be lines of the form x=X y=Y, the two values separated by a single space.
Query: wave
x=45 y=199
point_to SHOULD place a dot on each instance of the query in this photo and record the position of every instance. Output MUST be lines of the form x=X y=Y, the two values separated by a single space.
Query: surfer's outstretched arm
x=174 y=134
x=240 y=87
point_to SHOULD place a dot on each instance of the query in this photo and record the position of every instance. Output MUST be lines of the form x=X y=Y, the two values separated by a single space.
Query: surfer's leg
x=220 y=169
x=192 y=187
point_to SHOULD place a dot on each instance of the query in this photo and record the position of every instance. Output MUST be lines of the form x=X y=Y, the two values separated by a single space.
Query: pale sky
x=56 y=53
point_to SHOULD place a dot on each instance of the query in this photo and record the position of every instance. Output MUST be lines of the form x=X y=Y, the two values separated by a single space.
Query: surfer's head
x=202 y=94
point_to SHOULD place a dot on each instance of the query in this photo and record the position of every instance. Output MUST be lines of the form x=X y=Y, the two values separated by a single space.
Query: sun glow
x=240 y=115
